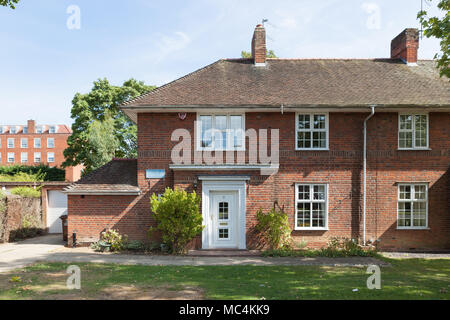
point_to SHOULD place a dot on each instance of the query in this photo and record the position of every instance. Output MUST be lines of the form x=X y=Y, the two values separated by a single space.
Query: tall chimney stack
x=405 y=46
x=259 y=46
x=31 y=126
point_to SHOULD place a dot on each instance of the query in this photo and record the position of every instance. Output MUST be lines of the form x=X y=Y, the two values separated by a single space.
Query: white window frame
x=327 y=130
x=22 y=146
x=48 y=144
x=22 y=158
x=13 y=130
x=9 y=157
x=213 y=115
x=52 y=129
x=40 y=157
x=1 y=130
x=39 y=129
x=297 y=200
x=13 y=143
x=40 y=143
x=48 y=157
x=412 y=200
x=413 y=129
x=25 y=130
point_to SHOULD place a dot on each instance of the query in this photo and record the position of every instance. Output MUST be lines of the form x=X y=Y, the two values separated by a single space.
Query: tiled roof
x=116 y=177
x=62 y=128
x=304 y=82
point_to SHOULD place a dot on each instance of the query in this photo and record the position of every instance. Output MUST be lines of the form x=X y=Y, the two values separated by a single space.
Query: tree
x=248 y=55
x=440 y=29
x=9 y=3
x=103 y=144
x=104 y=99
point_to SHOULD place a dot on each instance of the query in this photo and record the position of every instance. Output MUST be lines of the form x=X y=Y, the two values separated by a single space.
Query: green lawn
x=405 y=279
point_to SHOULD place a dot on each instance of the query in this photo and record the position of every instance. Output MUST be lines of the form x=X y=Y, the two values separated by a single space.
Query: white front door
x=224 y=220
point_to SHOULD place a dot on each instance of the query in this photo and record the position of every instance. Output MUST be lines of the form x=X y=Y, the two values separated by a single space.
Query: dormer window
x=25 y=130
x=52 y=129
x=1 y=129
x=12 y=130
x=39 y=129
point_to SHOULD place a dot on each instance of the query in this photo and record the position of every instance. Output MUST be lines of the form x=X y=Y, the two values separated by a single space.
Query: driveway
x=19 y=254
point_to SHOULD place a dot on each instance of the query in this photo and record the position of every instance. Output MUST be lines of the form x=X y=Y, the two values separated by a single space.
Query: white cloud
x=171 y=44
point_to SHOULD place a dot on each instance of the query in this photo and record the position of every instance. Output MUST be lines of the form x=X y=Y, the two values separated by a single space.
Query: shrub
x=115 y=239
x=178 y=218
x=26 y=192
x=135 y=245
x=274 y=228
x=25 y=233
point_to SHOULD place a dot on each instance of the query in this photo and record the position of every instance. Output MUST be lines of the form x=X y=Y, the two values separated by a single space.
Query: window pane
x=304 y=139
x=303 y=193
x=421 y=131
x=223 y=211
x=420 y=214
x=206 y=123
x=404 y=214
x=304 y=121
x=319 y=139
x=405 y=122
x=319 y=121
x=303 y=214
x=405 y=192
x=319 y=193
x=223 y=233
x=419 y=192
x=237 y=131
x=405 y=139
x=220 y=134
x=318 y=215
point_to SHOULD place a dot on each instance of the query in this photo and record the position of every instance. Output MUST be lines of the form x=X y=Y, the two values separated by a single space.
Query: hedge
x=49 y=173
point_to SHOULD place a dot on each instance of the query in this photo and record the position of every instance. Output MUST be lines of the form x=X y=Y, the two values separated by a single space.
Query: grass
x=404 y=279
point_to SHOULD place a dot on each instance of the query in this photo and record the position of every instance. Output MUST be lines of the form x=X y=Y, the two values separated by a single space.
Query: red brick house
x=34 y=144
x=362 y=150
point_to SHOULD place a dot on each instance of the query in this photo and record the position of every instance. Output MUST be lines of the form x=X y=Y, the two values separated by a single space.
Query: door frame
x=236 y=184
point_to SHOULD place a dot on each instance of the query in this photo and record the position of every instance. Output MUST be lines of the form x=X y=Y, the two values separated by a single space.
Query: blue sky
x=43 y=63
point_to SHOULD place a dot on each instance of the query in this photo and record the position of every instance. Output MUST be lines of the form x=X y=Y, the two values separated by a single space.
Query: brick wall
x=340 y=168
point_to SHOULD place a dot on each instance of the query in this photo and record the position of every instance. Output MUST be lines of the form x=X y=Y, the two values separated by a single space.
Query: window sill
x=413 y=228
x=313 y=149
x=414 y=149
x=311 y=229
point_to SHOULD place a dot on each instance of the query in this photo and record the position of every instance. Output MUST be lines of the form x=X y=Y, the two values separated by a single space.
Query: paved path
x=50 y=249
x=416 y=255
x=19 y=254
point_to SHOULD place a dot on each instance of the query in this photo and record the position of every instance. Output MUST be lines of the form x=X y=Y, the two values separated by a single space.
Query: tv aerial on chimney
x=264 y=21
x=421 y=9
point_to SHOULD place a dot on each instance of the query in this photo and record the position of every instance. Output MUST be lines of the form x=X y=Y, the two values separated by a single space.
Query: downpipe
x=365 y=172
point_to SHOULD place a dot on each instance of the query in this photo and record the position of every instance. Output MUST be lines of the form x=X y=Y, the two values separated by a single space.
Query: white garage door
x=57 y=207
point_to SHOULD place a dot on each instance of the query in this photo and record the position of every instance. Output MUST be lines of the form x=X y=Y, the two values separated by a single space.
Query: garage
x=57 y=206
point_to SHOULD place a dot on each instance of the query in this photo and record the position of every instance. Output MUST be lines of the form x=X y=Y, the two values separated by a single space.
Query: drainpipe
x=365 y=172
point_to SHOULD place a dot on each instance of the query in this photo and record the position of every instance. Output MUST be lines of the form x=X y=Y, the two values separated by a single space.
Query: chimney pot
x=405 y=46
x=259 y=46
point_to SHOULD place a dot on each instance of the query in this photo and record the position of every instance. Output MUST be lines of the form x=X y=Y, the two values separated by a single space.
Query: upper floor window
x=221 y=132
x=413 y=131
x=412 y=206
x=311 y=209
x=312 y=131
x=50 y=143
x=52 y=129
x=37 y=142
x=39 y=129
x=24 y=143
x=12 y=130
x=10 y=143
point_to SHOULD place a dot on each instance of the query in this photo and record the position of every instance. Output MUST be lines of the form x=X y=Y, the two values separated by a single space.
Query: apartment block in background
x=35 y=144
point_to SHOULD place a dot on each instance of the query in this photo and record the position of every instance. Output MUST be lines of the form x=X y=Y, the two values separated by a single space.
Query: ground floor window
x=311 y=207
x=412 y=206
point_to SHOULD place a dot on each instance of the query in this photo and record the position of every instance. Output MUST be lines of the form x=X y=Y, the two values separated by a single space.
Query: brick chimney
x=31 y=126
x=405 y=46
x=259 y=46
